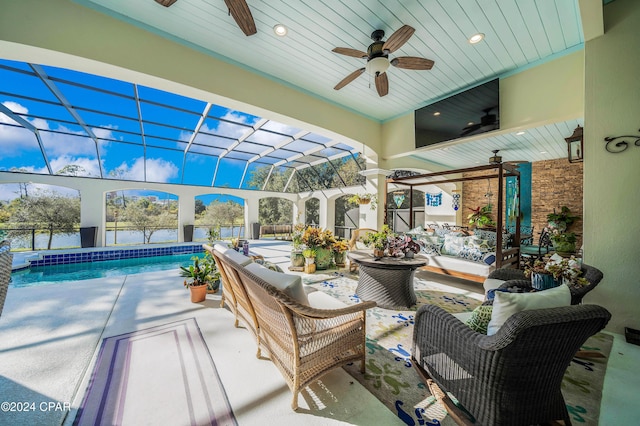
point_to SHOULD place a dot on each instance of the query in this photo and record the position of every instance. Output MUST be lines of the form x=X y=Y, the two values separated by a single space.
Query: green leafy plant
x=379 y=240
x=309 y=253
x=203 y=271
x=481 y=216
x=563 y=220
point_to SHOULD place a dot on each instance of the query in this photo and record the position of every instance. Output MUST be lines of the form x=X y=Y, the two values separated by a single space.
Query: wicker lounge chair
x=233 y=292
x=6 y=260
x=513 y=377
x=304 y=342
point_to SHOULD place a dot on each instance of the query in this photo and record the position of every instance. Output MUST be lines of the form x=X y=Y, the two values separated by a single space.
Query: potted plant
x=480 y=217
x=363 y=199
x=564 y=243
x=561 y=221
x=201 y=276
x=320 y=240
x=379 y=241
x=297 y=258
x=403 y=245
x=558 y=225
x=340 y=248
x=309 y=260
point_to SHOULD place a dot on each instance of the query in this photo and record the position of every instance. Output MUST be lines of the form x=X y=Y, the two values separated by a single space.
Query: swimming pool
x=51 y=274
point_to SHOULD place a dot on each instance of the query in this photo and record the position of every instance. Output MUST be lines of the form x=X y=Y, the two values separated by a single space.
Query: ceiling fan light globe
x=377 y=66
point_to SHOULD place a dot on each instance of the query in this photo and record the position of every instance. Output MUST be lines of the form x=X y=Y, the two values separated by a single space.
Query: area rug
x=160 y=375
x=391 y=377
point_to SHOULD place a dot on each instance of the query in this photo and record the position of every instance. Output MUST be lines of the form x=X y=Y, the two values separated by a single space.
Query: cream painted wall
x=548 y=93
x=28 y=28
x=612 y=181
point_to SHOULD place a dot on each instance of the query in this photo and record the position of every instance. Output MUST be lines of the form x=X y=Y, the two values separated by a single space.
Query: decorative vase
x=564 y=248
x=543 y=281
x=309 y=265
x=409 y=255
x=324 y=256
x=340 y=258
x=378 y=253
x=297 y=258
x=198 y=293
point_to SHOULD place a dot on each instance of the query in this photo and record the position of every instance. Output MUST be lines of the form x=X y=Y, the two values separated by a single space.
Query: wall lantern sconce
x=574 y=145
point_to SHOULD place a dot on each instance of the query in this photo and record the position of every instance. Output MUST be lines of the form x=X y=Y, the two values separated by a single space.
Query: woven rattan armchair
x=304 y=342
x=513 y=377
x=515 y=278
x=358 y=235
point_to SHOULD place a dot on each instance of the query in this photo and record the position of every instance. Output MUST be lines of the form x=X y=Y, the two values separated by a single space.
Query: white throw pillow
x=291 y=285
x=506 y=304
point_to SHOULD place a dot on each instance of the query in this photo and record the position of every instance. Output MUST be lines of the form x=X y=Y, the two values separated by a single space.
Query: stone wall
x=554 y=183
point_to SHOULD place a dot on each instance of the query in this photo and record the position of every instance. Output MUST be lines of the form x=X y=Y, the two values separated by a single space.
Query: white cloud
x=14 y=140
x=158 y=170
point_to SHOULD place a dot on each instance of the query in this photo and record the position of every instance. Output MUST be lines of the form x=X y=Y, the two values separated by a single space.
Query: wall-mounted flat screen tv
x=474 y=111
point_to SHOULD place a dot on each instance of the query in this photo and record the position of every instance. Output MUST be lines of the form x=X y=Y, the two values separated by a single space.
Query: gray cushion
x=291 y=285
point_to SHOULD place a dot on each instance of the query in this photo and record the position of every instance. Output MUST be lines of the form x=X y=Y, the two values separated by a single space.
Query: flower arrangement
x=313 y=237
x=558 y=225
x=340 y=246
x=403 y=244
x=565 y=269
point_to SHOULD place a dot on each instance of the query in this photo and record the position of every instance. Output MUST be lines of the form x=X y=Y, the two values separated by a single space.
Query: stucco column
x=323 y=211
x=251 y=215
x=299 y=215
x=93 y=212
x=186 y=213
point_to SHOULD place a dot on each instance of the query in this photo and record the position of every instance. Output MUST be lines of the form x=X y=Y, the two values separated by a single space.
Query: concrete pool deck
x=50 y=335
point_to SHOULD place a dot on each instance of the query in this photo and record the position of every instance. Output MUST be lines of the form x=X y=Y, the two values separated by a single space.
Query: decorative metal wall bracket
x=622 y=145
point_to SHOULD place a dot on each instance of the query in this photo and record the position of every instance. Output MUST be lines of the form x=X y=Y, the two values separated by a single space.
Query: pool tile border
x=97 y=255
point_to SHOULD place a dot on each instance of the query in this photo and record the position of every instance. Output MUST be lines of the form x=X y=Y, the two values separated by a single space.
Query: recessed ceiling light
x=520 y=133
x=437 y=113
x=470 y=123
x=280 y=30
x=476 y=38
x=543 y=152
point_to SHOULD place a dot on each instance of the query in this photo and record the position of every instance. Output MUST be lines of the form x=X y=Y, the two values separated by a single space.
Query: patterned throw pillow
x=479 y=319
x=269 y=265
x=453 y=244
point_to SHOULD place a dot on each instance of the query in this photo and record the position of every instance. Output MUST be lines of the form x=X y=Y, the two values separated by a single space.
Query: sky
x=110 y=112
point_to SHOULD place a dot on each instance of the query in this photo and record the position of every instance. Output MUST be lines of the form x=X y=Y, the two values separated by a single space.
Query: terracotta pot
x=199 y=293
x=377 y=253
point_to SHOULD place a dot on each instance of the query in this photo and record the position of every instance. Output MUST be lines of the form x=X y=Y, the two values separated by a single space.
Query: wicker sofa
x=306 y=333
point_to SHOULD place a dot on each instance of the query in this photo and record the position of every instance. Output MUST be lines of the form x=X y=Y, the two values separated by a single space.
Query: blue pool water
x=39 y=275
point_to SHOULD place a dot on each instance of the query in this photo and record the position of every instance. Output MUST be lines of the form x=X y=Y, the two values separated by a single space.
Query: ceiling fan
x=377 y=56
x=487 y=122
x=238 y=9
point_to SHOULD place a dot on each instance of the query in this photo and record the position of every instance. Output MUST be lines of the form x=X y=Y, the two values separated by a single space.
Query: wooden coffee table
x=388 y=281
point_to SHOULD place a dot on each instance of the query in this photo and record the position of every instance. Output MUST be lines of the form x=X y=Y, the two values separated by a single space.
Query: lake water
x=124 y=238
